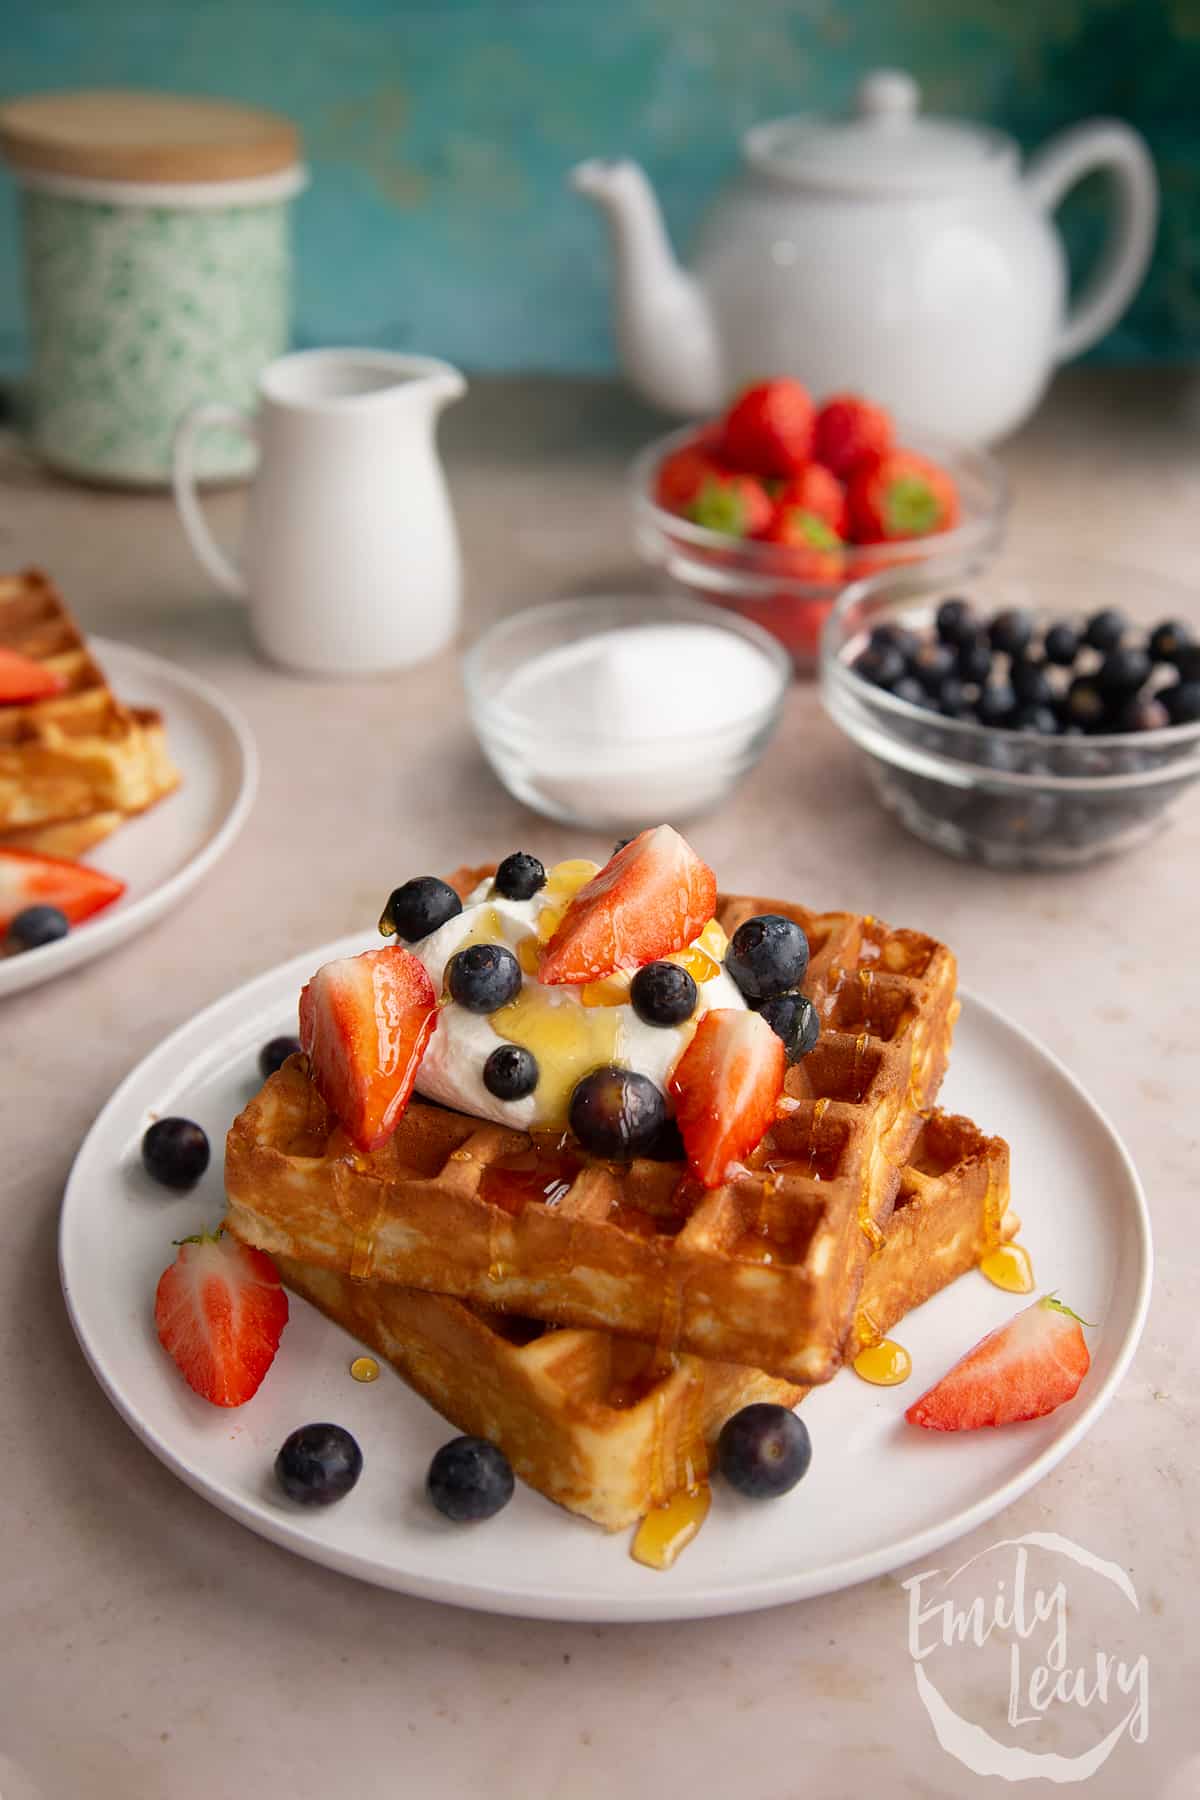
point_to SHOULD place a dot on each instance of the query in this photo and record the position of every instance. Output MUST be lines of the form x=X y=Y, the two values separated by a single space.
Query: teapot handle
x=208 y=553
x=1057 y=166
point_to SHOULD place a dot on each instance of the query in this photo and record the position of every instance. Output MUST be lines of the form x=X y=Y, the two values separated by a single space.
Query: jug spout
x=664 y=327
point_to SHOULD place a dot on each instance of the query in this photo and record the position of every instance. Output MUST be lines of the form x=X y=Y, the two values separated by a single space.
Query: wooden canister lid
x=110 y=135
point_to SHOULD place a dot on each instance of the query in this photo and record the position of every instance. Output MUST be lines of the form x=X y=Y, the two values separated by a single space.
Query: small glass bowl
x=591 y=782
x=1011 y=799
x=756 y=580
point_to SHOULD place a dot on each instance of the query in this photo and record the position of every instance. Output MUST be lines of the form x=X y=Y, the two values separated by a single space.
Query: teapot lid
x=885 y=147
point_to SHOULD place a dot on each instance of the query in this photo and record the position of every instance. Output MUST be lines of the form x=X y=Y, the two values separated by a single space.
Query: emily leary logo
x=1023 y=1629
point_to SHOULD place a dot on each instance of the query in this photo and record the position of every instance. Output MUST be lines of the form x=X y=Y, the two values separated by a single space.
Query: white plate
x=1085 y=1224
x=164 y=853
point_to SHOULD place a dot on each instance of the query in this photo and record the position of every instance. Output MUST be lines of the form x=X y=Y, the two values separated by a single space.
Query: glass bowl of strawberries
x=772 y=509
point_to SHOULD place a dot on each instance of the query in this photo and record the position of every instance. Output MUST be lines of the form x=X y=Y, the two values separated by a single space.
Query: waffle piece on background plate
x=763 y=1271
x=597 y=1422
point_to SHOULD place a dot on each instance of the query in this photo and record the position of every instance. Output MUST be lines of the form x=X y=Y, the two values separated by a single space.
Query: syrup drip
x=362 y=1257
x=873 y=1233
x=568 y=1041
x=856 y=1072
x=528 y=1177
x=884 y=1364
x=364 y=1368
x=1010 y=1268
x=487 y=929
x=612 y=991
x=670 y=1528
x=820 y=1108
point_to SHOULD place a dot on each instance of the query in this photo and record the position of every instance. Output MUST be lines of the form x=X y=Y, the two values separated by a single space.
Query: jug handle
x=1110 y=145
x=205 y=548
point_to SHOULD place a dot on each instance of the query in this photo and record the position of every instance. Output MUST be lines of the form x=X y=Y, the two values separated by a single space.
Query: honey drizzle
x=364 y=1368
x=670 y=1528
x=1009 y=1267
x=820 y=1108
x=362 y=1256
x=884 y=1364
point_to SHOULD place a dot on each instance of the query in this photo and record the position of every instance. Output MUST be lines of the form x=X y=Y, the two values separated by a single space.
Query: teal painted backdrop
x=439 y=134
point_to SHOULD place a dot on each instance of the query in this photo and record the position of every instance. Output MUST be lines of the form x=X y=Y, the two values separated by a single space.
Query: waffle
x=763 y=1271
x=76 y=756
x=593 y=1421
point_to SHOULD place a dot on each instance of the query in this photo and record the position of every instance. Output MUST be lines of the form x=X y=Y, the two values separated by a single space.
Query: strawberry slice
x=365 y=1021
x=219 y=1312
x=29 y=879
x=23 y=679
x=1023 y=1370
x=725 y=1087
x=651 y=898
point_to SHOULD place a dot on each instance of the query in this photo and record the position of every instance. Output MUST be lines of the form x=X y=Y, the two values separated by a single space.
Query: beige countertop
x=153 y=1648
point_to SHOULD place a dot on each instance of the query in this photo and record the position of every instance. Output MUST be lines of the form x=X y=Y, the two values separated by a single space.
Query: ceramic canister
x=158 y=271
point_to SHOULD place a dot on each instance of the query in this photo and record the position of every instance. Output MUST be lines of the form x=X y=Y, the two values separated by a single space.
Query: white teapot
x=907 y=258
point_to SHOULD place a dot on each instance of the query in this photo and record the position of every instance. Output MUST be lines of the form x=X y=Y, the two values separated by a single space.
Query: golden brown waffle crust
x=764 y=1271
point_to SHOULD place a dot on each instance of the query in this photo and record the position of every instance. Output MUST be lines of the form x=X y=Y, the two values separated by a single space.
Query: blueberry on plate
x=1061 y=644
x=975 y=660
x=1084 y=704
x=1123 y=671
x=663 y=994
x=34 y=926
x=483 y=977
x=419 y=907
x=469 y=1479
x=1030 y=683
x=1182 y=702
x=318 y=1464
x=880 y=664
x=1104 y=630
x=767 y=955
x=1011 y=630
x=932 y=663
x=275 y=1053
x=794 y=1019
x=510 y=1072
x=1168 y=639
x=616 y=1113
x=995 y=704
x=1030 y=716
x=764 y=1450
x=175 y=1152
x=955 y=621
x=520 y=876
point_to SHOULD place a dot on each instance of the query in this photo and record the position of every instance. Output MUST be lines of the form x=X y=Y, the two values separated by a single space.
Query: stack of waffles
x=601 y=1322
x=73 y=766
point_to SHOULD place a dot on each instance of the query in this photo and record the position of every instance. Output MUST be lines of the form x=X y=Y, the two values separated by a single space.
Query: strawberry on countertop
x=29 y=879
x=219 y=1312
x=21 y=679
x=850 y=432
x=1023 y=1370
x=365 y=1021
x=653 y=897
x=726 y=1086
x=903 y=495
x=769 y=428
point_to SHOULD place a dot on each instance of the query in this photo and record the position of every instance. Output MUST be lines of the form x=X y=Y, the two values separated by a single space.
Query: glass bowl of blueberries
x=1028 y=720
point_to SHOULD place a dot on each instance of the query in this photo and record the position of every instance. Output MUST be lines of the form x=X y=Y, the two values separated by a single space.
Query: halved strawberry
x=365 y=1021
x=726 y=1086
x=219 y=1312
x=29 y=879
x=651 y=898
x=21 y=678
x=1023 y=1370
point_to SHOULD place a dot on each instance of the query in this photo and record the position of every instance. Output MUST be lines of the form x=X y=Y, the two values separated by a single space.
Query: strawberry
x=850 y=432
x=365 y=1021
x=813 y=547
x=903 y=495
x=815 y=490
x=652 y=898
x=29 y=879
x=23 y=679
x=737 y=505
x=1021 y=1371
x=769 y=428
x=726 y=1086
x=680 y=476
x=219 y=1312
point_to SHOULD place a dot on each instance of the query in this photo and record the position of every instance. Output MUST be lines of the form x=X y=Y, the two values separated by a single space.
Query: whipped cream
x=451 y=1070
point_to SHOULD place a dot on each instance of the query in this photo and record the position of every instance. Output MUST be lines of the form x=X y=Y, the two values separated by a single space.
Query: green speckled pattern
x=138 y=312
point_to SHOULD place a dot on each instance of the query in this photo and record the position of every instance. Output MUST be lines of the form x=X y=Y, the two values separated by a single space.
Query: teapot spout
x=664 y=327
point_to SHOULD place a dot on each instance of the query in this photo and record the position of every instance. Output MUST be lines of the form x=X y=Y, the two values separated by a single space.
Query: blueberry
x=793 y=1018
x=910 y=689
x=175 y=1152
x=897 y=637
x=1104 y=630
x=767 y=955
x=35 y=926
x=952 y=698
x=1123 y=671
x=1030 y=683
x=1187 y=661
x=510 y=1072
x=483 y=977
x=1061 y=644
x=616 y=1113
x=932 y=663
x=1030 y=716
x=1168 y=639
x=469 y=1479
x=995 y=704
x=1011 y=630
x=764 y=1450
x=520 y=876
x=1083 y=703
x=1182 y=701
x=318 y=1464
x=955 y=622
x=975 y=660
x=418 y=908
x=275 y=1053
x=882 y=665
x=663 y=994
x=1145 y=714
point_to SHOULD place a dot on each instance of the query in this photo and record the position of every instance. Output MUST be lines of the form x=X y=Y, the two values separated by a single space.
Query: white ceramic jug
x=351 y=562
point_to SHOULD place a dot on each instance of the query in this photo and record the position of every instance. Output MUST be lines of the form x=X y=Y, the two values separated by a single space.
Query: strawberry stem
x=1057 y=1305
x=201 y=1237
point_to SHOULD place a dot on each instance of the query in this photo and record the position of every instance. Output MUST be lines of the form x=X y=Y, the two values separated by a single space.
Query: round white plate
x=878 y=1493
x=164 y=853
